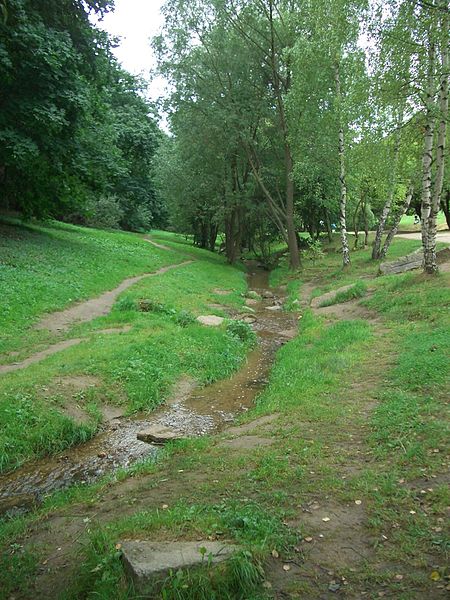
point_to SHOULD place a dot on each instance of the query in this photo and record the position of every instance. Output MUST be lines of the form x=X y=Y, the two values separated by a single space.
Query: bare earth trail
x=95 y=307
x=82 y=313
x=441 y=236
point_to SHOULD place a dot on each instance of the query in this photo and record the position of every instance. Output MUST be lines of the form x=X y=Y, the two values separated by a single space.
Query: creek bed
x=202 y=411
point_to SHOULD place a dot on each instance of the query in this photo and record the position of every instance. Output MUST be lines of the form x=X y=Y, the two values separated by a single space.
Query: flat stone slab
x=401 y=265
x=251 y=302
x=210 y=320
x=147 y=561
x=250 y=319
x=159 y=434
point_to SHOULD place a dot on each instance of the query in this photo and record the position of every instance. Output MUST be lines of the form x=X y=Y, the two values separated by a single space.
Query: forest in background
x=77 y=136
x=285 y=116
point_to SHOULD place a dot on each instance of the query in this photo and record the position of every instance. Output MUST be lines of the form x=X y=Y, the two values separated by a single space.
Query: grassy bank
x=134 y=368
x=348 y=491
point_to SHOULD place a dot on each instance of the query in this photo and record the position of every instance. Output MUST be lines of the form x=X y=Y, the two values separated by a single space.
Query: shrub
x=125 y=304
x=241 y=331
x=105 y=213
x=184 y=318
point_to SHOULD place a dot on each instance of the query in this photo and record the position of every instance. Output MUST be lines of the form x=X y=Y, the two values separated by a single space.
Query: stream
x=194 y=411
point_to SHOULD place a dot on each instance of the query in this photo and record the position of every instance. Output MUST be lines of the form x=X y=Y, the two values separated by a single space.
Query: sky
x=135 y=22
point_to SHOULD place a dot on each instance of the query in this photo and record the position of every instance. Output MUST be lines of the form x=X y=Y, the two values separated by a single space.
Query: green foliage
x=242 y=331
x=47 y=267
x=75 y=129
x=315 y=251
x=29 y=428
x=239 y=579
x=106 y=213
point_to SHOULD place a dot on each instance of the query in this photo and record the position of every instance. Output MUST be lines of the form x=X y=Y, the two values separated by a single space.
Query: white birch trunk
x=428 y=143
x=395 y=226
x=430 y=264
x=342 y=177
x=387 y=207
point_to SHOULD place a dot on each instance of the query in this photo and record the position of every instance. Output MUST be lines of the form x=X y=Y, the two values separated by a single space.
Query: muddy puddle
x=193 y=411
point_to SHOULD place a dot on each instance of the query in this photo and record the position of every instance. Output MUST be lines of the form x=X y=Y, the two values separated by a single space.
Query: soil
x=95 y=307
x=335 y=534
x=58 y=347
x=441 y=236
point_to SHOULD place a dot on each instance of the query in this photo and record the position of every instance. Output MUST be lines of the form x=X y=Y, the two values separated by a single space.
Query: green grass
x=134 y=369
x=45 y=268
x=384 y=386
x=407 y=222
x=355 y=291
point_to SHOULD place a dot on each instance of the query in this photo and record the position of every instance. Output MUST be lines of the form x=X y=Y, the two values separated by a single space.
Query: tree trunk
x=294 y=255
x=387 y=207
x=233 y=234
x=445 y=202
x=328 y=225
x=395 y=226
x=366 y=226
x=355 y=222
x=427 y=157
x=430 y=264
x=213 y=232
x=342 y=178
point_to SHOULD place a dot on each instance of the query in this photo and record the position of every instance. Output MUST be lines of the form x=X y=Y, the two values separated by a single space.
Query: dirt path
x=35 y=358
x=95 y=307
x=59 y=347
x=441 y=236
x=160 y=246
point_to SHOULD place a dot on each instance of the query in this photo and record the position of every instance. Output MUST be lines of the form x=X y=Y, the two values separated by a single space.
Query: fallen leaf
x=358 y=502
x=275 y=553
x=326 y=519
x=165 y=506
x=435 y=576
x=399 y=577
x=412 y=512
x=118 y=546
x=286 y=567
x=308 y=539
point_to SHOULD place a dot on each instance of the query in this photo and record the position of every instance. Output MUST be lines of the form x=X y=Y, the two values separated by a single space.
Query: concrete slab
x=146 y=561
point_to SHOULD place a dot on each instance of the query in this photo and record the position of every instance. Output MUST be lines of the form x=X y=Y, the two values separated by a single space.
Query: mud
x=192 y=410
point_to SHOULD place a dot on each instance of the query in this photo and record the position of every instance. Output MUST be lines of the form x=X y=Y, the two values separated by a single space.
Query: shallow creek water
x=192 y=411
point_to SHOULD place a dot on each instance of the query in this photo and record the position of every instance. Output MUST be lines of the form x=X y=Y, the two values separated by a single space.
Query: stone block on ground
x=146 y=561
x=159 y=434
x=251 y=302
x=210 y=320
x=401 y=265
